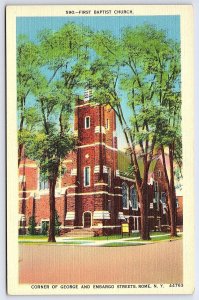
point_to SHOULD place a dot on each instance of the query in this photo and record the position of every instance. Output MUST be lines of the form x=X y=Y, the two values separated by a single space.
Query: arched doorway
x=87 y=219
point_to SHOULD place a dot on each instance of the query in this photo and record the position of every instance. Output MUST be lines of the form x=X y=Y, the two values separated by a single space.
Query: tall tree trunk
x=141 y=183
x=172 y=213
x=170 y=189
x=51 y=236
x=172 y=195
x=143 y=199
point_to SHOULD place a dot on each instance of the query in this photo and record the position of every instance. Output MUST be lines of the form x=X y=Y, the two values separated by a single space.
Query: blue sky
x=31 y=26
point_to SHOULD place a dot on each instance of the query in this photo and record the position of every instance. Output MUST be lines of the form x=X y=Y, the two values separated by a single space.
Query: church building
x=96 y=191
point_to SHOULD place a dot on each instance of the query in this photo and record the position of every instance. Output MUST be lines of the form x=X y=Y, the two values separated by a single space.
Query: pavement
x=54 y=264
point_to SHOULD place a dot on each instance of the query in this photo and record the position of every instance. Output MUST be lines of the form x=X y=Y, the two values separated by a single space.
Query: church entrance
x=87 y=219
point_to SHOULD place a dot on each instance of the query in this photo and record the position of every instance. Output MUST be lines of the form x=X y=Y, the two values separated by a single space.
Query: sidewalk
x=97 y=243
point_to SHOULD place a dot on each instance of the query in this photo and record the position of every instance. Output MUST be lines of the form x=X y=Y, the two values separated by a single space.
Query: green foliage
x=31 y=226
x=44 y=228
x=57 y=224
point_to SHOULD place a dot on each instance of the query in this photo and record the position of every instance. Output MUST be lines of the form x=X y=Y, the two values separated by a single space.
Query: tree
x=170 y=138
x=28 y=63
x=154 y=61
x=57 y=223
x=31 y=226
x=132 y=67
x=63 y=55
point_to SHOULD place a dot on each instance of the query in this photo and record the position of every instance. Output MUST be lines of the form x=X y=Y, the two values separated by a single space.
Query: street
x=154 y=263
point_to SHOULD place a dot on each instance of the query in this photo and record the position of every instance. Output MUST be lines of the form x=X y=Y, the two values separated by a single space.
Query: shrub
x=31 y=226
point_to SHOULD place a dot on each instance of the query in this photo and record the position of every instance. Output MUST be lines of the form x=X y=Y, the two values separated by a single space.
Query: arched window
x=133 y=198
x=125 y=196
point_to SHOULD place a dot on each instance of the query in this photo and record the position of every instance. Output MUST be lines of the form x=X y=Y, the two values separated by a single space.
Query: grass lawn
x=155 y=237
x=110 y=237
x=122 y=244
x=159 y=236
x=119 y=236
x=32 y=237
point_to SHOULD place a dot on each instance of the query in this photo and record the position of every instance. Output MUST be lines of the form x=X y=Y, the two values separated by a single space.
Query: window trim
x=127 y=188
x=133 y=187
x=85 y=125
x=85 y=176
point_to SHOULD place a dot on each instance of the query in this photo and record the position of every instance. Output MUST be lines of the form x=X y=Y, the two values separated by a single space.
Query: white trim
x=88 y=211
x=101 y=215
x=73 y=172
x=121 y=215
x=29 y=191
x=117 y=173
x=107 y=226
x=105 y=170
x=85 y=126
x=117 y=187
x=130 y=216
x=98 y=143
x=86 y=104
x=109 y=147
x=70 y=187
x=94 y=193
x=126 y=178
x=67 y=160
x=100 y=129
x=69 y=227
x=114 y=133
x=70 y=216
x=22 y=178
x=44 y=192
x=96 y=169
x=100 y=183
x=25 y=198
x=89 y=174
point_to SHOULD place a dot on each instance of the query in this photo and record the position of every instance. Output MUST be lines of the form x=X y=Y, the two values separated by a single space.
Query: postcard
x=100 y=149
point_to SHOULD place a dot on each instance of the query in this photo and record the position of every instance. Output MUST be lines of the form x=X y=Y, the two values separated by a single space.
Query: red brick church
x=96 y=191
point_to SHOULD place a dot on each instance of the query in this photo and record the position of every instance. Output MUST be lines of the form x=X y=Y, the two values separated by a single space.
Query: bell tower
x=95 y=126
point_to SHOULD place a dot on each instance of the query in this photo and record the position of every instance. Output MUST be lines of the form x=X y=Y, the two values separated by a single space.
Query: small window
x=159 y=173
x=133 y=198
x=177 y=203
x=87 y=176
x=163 y=198
x=107 y=124
x=87 y=122
x=109 y=176
x=109 y=205
x=156 y=194
x=43 y=182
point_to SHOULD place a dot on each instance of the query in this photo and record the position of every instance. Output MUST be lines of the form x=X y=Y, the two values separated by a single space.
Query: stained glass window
x=125 y=195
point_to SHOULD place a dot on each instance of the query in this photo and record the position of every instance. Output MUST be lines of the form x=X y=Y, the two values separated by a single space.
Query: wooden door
x=87 y=219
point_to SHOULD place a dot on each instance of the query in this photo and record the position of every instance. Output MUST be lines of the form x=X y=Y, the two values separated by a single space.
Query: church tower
x=94 y=200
